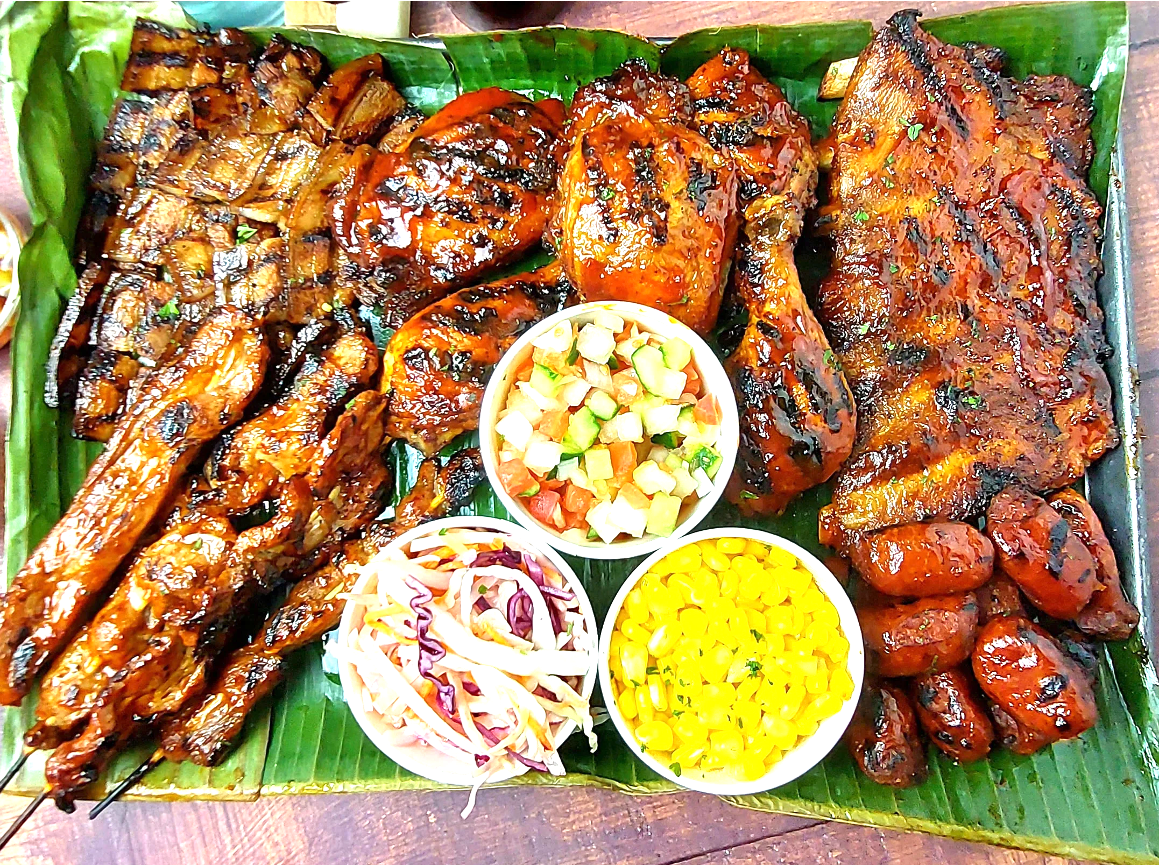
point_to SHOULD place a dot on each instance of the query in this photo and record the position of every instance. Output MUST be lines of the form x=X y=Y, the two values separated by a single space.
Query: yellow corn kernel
x=797 y=620
x=796 y=581
x=716 y=561
x=657 y=693
x=688 y=756
x=726 y=744
x=716 y=718
x=841 y=684
x=635 y=606
x=719 y=631
x=781 y=558
x=773 y=591
x=752 y=767
x=780 y=619
x=792 y=702
x=711 y=763
x=684 y=561
x=644 y=707
x=715 y=664
x=635 y=632
x=827 y=615
x=805 y=726
x=824 y=706
x=729 y=583
x=759 y=746
x=746 y=565
x=614 y=647
x=689 y=681
x=656 y=736
x=818 y=633
x=694 y=622
x=739 y=625
x=774 y=642
x=756 y=619
x=626 y=703
x=752 y=585
x=837 y=649
x=817 y=683
x=748 y=715
x=705 y=587
x=730 y=546
x=807 y=664
x=756 y=549
x=719 y=695
x=771 y=696
x=811 y=599
x=690 y=730
x=683 y=583
x=664 y=638
x=748 y=687
x=662 y=601
x=634 y=660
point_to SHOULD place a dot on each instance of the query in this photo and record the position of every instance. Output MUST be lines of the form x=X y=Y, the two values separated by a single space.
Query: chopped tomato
x=554 y=424
x=516 y=479
x=525 y=372
x=578 y=500
x=574 y=521
x=623 y=458
x=545 y=507
x=634 y=497
x=708 y=410
x=552 y=484
x=692 y=378
x=625 y=387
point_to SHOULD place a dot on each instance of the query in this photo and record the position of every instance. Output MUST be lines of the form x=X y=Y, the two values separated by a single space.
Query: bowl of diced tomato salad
x=609 y=428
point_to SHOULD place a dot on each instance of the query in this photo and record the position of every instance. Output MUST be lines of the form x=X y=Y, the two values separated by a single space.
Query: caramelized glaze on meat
x=953 y=716
x=437 y=365
x=184 y=405
x=646 y=208
x=466 y=193
x=1108 y=614
x=920 y=637
x=796 y=411
x=884 y=738
x=204 y=732
x=962 y=300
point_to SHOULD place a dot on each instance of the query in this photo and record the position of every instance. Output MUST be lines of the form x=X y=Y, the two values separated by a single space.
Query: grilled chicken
x=437 y=365
x=147 y=651
x=646 y=209
x=466 y=192
x=204 y=732
x=962 y=300
x=796 y=411
x=184 y=405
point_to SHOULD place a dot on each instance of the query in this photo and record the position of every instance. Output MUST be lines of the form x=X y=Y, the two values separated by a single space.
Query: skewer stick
x=15 y=768
x=23 y=817
x=127 y=783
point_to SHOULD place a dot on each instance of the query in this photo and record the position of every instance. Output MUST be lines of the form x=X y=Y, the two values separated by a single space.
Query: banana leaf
x=1094 y=797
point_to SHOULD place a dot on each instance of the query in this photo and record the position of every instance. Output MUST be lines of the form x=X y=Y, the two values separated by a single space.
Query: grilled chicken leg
x=796 y=411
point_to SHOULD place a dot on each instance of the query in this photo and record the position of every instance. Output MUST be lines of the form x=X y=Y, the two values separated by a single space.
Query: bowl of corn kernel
x=731 y=661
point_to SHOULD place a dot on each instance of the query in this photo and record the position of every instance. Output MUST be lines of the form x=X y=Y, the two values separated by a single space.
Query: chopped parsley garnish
x=652 y=669
x=481 y=589
x=244 y=233
x=913 y=130
x=756 y=634
x=754 y=667
x=675 y=768
x=861 y=216
x=196 y=544
x=169 y=312
x=890 y=159
x=606 y=193
x=893 y=269
x=745 y=494
x=828 y=357
x=972 y=401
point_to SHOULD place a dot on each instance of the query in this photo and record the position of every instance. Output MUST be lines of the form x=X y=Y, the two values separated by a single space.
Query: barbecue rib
x=437 y=365
x=149 y=649
x=466 y=192
x=204 y=732
x=646 y=209
x=962 y=301
x=183 y=406
x=796 y=411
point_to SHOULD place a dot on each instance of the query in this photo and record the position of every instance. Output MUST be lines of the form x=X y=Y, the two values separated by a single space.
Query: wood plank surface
x=588 y=825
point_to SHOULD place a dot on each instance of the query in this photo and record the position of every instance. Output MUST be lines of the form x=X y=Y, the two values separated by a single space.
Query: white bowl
x=810 y=751
x=420 y=759
x=708 y=367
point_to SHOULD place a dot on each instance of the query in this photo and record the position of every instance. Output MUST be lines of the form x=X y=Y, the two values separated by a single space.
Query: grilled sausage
x=921 y=559
x=922 y=637
x=1013 y=736
x=884 y=739
x=999 y=596
x=1025 y=671
x=1041 y=553
x=952 y=715
x=1108 y=615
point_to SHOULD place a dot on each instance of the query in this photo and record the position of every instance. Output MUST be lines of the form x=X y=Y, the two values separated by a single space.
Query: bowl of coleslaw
x=468 y=652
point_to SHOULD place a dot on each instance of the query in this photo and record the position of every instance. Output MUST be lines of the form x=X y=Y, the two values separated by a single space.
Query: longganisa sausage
x=952 y=715
x=884 y=737
x=920 y=637
x=999 y=596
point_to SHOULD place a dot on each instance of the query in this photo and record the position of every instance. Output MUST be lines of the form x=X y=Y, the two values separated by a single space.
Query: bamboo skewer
x=128 y=782
x=23 y=817
x=15 y=768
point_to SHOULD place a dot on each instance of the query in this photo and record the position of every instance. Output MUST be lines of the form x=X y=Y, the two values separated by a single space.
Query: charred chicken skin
x=466 y=192
x=796 y=412
x=437 y=365
x=962 y=298
x=646 y=208
x=183 y=406
x=203 y=732
x=148 y=651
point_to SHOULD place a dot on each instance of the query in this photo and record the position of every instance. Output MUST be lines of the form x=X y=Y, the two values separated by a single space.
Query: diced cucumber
x=677 y=353
x=559 y=339
x=705 y=458
x=596 y=343
x=625 y=427
x=655 y=376
x=602 y=406
x=542 y=457
x=573 y=391
x=609 y=320
x=573 y=354
x=626 y=518
x=546 y=380
x=661 y=419
x=672 y=462
x=663 y=513
x=567 y=467
x=543 y=403
x=598 y=464
x=515 y=429
x=583 y=428
x=650 y=478
x=531 y=491
x=667 y=440
x=687 y=424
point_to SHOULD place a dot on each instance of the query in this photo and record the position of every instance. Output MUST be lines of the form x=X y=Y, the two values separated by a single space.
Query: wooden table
x=585 y=825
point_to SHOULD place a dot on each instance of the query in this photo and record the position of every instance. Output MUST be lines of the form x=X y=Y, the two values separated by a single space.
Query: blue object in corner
x=243 y=13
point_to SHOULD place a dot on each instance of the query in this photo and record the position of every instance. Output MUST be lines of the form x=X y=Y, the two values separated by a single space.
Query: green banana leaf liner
x=1092 y=797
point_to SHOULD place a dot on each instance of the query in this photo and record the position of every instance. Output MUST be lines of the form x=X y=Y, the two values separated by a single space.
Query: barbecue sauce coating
x=1039 y=552
x=1022 y=669
x=952 y=715
x=999 y=596
x=1108 y=615
x=1013 y=736
x=921 y=559
x=884 y=738
x=924 y=636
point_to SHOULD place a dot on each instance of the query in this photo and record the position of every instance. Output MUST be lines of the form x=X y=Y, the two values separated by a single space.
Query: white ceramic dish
x=420 y=759
x=810 y=751
x=708 y=367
